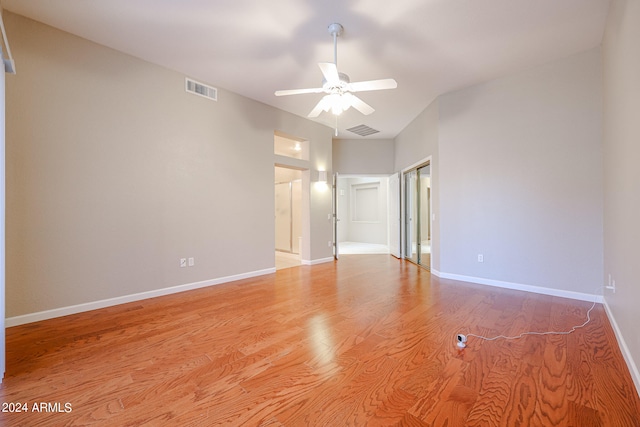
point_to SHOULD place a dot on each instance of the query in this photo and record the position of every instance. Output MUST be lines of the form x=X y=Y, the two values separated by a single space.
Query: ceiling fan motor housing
x=341 y=86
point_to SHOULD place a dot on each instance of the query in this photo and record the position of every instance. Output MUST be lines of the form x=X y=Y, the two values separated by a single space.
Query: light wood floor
x=368 y=340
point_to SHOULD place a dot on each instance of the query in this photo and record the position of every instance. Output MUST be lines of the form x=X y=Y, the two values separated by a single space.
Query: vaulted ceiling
x=254 y=47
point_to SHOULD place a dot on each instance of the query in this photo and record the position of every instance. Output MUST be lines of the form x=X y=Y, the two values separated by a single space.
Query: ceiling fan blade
x=361 y=106
x=298 y=91
x=329 y=71
x=320 y=107
x=373 y=85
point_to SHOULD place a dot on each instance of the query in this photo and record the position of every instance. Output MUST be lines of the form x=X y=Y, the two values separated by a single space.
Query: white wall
x=114 y=172
x=520 y=177
x=622 y=173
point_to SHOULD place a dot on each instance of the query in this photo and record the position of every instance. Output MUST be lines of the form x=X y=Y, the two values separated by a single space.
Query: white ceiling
x=255 y=47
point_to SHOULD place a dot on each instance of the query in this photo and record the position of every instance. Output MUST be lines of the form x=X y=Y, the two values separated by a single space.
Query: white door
x=394 y=215
x=2 y=252
x=334 y=213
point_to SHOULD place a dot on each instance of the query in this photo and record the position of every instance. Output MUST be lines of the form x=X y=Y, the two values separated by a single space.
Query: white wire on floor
x=515 y=337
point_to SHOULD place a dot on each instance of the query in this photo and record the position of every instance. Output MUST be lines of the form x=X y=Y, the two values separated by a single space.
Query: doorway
x=362 y=214
x=417 y=184
x=288 y=217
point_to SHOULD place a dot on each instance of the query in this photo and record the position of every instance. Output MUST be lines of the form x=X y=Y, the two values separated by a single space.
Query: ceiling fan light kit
x=338 y=87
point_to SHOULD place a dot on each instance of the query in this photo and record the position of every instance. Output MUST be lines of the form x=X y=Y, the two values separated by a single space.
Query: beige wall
x=114 y=173
x=521 y=177
x=363 y=156
x=622 y=172
x=418 y=141
x=506 y=176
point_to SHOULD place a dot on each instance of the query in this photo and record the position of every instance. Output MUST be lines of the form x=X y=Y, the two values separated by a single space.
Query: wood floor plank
x=367 y=340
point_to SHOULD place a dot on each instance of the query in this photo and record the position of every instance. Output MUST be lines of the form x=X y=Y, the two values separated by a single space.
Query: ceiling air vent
x=363 y=130
x=198 y=88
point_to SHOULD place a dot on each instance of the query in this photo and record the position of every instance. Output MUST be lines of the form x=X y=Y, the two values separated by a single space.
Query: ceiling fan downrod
x=336 y=31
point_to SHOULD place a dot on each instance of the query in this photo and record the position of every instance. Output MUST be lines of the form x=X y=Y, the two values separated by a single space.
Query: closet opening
x=417 y=208
x=288 y=217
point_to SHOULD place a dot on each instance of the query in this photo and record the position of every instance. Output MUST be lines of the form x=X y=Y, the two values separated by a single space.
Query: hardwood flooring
x=368 y=340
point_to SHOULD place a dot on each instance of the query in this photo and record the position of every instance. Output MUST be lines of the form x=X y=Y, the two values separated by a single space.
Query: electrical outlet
x=183 y=262
x=480 y=258
x=612 y=284
x=192 y=262
x=329 y=243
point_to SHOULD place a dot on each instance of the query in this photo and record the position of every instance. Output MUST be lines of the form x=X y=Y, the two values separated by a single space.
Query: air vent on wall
x=197 y=88
x=363 y=130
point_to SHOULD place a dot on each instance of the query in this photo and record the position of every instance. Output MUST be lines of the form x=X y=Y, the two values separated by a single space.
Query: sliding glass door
x=417 y=184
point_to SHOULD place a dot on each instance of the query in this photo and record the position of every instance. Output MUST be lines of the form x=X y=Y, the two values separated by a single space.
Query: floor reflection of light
x=321 y=340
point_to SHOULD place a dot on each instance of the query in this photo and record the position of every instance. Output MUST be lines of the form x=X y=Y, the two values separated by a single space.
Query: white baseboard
x=633 y=368
x=79 y=308
x=316 y=261
x=520 y=287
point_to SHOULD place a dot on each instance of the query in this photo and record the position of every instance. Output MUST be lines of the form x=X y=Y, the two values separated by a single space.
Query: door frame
x=305 y=211
x=335 y=205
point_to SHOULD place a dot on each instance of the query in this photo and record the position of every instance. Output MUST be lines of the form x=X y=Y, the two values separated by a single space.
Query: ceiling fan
x=337 y=86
